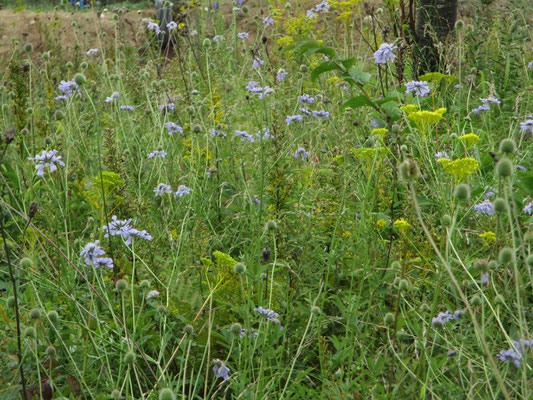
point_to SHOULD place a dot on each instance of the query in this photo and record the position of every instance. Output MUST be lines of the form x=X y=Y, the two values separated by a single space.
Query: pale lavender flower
x=268 y=21
x=92 y=51
x=217 y=132
x=169 y=106
x=127 y=108
x=265 y=135
x=441 y=154
x=243 y=35
x=258 y=63
x=485 y=208
x=418 y=88
x=172 y=25
x=511 y=355
x=310 y=14
x=490 y=100
x=221 y=370
x=444 y=317
x=137 y=233
x=244 y=136
x=235 y=9
x=157 y=153
x=528 y=209
x=161 y=189
x=484 y=107
x=451 y=353
x=267 y=313
x=117 y=226
x=47 y=159
x=91 y=252
x=292 y=118
x=103 y=262
x=266 y=90
x=281 y=75
x=152 y=294
x=321 y=114
x=305 y=98
x=62 y=97
x=254 y=87
x=485 y=278
x=322 y=7
x=245 y=331
x=530 y=65
x=68 y=87
x=114 y=95
x=385 y=53
x=490 y=193
x=218 y=38
x=527 y=125
x=182 y=191
x=374 y=123
x=305 y=111
x=172 y=127
x=520 y=167
x=152 y=26
x=301 y=153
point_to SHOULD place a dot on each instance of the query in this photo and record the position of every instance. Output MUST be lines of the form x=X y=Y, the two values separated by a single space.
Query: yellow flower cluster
x=426 y=118
x=469 y=139
x=460 y=168
x=489 y=236
x=380 y=131
x=402 y=225
x=409 y=108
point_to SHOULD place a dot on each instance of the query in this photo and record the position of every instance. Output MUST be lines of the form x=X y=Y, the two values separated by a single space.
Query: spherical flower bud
x=315 y=310
x=396 y=128
x=476 y=300
x=506 y=255
x=424 y=307
x=288 y=5
x=28 y=47
x=528 y=237
x=389 y=318
x=453 y=136
x=482 y=265
x=504 y=168
x=122 y=285
x=116 y=394
x=408 y=171
x=188 y=329
x=145 y=284
x=404 y=284
x=167 y=394
x=69 y=65
x=493 y=264
x=196 y=128
x=53 y=316
x=529 y=260
x=271 y=225
x=161 y=309
x=30 y=332
x=446 y=220
x=239 y=268
x=206 y=43
x=507 y=146
x=10 y=302
x=51 y=351
x=80 y=79
x=304 y=68
x=129 y=358
x=500 y=205
x=29 y=111
x=59 y=115
x=459 y=24
x=236 y=329
x=462 y=192
x=35 y=313
x=245 y=9
x=396 y=266
x=26 y=263
x=46 y=55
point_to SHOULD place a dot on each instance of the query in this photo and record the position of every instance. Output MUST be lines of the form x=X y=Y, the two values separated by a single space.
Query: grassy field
x=275 y=206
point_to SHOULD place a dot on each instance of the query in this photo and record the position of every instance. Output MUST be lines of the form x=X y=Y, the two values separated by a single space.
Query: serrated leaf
x=324 y=67
x=358 y=101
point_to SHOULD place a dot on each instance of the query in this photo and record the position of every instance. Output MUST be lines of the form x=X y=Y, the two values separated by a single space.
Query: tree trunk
x=435 y=20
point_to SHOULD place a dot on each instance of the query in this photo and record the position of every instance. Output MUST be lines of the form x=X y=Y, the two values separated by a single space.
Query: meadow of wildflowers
x=273 y=205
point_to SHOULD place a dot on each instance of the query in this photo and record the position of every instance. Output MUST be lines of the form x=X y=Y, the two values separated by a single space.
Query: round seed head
x=236 y=329
x=51 y=351
x=167 y=394
x=389 y=318
x=46 y=55
x=408 y=171
x=69 y=65
x=506 y=255
x=304 y=68
x=493 y=264
x=129 y=358
x=116 y=394
x=239 y=268
x=145 y=284
x=500 y=205
x=462 y=192
x=504 y=168
x=10 y=302
x=446 y=220
x=404 y=284
x=507 y=146
x=396 y=266
x=28 y=47
x=271 y=225
x=35 y=313
x=206 y=43
x=161 y=309
x=80 y=79
x=476 y=300
x=529 y=260
x=188 y=329
x=26 y=263
x=53 y=316
x=122 y=285
x=315 y=310
x=30 y=332
x=59 y=115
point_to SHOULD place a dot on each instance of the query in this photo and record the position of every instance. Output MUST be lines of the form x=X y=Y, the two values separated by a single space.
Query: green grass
x=356 y=247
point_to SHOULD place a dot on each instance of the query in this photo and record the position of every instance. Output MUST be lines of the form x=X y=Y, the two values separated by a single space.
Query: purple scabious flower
x=123 y=228
x=374 y=123
x=265 y=135
x=62 y=97
x=385 y=53
x=68 y=87
x=243 y=35
x=221 y=370
x=244 y=136
x=310 y=14
x=485 y=208
x=490 y=192
x=520 y=167
x=305 y=98
x=444 y=317
x=322 y=7
x=92 y=51
x=127 y=108
x=484 y=107
x=258 y=63
x=511 y=355
x=182 y=191
x=218 y=38
x=47 y=159
x=266 y=90
x=172 y=127
x=292 y=118
x=305 y=111
x=300 y=153
x=490 y=100
x=321 y=114
x=217 y=132
x=254 y=87
x=441 y=154
x=137 y=233
x=418 y=88
x=268 y=21
x=161 y=189
x=91 y=252
x=527 y=125
x=451 y=353
x=281 y=75
x=485 y=278
x=152 y=26
x=267 y=313
x=103 y=262
x=172 y=25
x=157 y=153
x=245 y=331
x=114 y=95
x=528 y=209
x=169 y=106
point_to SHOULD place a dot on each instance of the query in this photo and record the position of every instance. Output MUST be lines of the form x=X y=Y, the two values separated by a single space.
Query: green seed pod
x=188 y=329
x=507 y=146
x=389 y=318
x=304 y=68
x=53 y=316
x=404 y=284
x=396 y=266
x=80 y=79
x=462 y=192
x=408 y=171
x=446 y=221
x=28 y=47
x=167 y=394
x=206 y=43
x=10 y=302
x=145 y=284
x=84 y=65
x=493 y=264
x=315 y=310
x=35 y=313
x=476 y=300
x=500 y=205
x=25 y=263
x=271 y=225
x=161 y=309
x=59 y=115
x=30 y=332
x=504 y=168
x=528 y=237
x=239 y=268
x=529 y=260
x=196 y=128
x=122 y=285
x=482 y=265
x=46 y=55
x=51 y=351
x=506 y=255
x=236 y=329
x=69 y=65
x=116 y=394
x=130 y=357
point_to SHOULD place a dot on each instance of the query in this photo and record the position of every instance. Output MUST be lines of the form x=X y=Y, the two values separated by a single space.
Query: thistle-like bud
x=504 y=168
x=53 y=316
x=500 y=205
x=167 y=394
x=239 y=268
x=506 y=255
x=507 y=146
x=130 y=357
x=80 y=79
x=236 y=329
x=51 y=351
x=188 y=329
x=408 y=171
x=462 y=192
x=389 y=318
x=122 y=285
x=35 y=313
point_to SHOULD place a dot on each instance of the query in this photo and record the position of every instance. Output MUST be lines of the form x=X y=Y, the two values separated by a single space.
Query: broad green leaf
x=324 y=67
x=358 y=101
x=359 y=76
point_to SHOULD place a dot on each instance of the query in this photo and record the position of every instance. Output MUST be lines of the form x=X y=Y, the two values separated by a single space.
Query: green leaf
x=19 y=9
x=358 y=101
x=359 y=76
x=324 y=67
x=348 y=63
x=309 y=47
